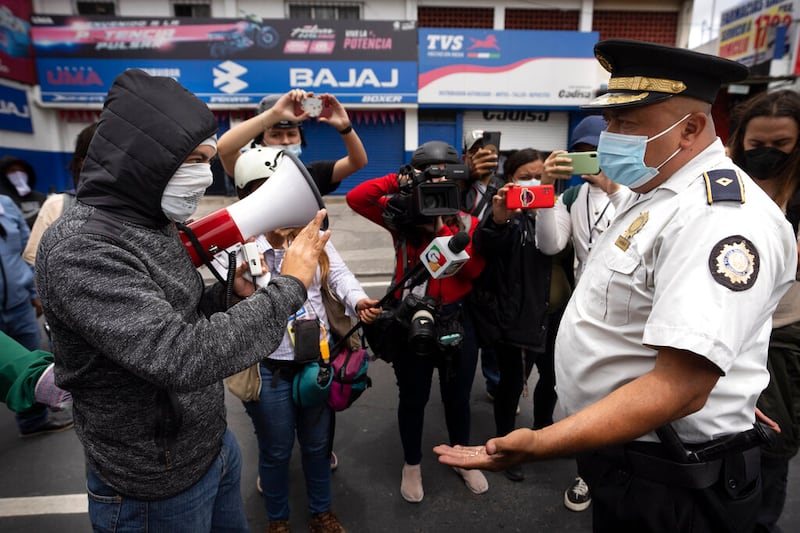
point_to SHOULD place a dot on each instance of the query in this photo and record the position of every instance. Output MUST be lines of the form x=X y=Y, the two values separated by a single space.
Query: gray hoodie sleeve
x=143 y=313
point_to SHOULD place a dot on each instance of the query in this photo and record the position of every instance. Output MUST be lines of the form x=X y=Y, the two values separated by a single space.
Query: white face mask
x=294 y=149
x=183 y=192
x=19 y=179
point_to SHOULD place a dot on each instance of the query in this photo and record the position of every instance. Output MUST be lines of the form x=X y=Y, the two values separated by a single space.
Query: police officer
x=661 y=353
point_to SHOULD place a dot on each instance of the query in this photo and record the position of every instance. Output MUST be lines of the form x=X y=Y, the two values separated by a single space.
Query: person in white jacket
x=580 y=215
x=583 y=211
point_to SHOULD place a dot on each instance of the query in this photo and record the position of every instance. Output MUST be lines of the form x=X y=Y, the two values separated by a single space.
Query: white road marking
x=42 y=505
x=368 y=284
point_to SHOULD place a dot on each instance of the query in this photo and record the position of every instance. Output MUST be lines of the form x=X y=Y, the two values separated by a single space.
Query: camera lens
x=422 y=334
x=432 y=201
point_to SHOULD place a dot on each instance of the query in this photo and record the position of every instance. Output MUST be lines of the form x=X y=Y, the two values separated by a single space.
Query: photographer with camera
x=515 y=297
x=419 y=206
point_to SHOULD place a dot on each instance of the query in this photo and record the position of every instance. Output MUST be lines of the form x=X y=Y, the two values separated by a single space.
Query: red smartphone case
x=530 y=196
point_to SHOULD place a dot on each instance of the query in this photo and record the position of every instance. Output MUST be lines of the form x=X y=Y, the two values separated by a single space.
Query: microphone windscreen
x=459 y=242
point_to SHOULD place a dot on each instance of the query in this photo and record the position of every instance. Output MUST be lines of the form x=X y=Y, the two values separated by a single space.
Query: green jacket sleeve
x=19 y=371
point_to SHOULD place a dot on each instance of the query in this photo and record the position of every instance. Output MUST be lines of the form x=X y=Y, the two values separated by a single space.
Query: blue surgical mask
x=621 y=157
x=294 y=149
x=528 y=183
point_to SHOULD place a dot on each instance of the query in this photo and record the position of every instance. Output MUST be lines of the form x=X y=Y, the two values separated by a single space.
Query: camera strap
x=419 y=286
x=491 y=190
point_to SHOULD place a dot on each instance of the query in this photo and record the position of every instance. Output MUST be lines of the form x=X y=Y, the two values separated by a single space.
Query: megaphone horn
x=288 y=199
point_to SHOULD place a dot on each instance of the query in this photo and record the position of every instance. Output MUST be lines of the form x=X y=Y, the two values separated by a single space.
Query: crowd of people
x=657 y=299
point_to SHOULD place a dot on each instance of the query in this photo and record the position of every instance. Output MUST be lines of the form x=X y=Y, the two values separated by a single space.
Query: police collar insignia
x=624 y=240
x=734 y=263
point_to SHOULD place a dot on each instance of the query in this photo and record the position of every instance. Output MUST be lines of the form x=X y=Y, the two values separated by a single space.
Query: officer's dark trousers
x=624 y=500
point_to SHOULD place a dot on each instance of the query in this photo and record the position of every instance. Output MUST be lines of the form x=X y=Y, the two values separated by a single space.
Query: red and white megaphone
x=288 y=199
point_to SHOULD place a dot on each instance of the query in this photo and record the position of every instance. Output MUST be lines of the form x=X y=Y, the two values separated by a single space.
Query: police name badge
x=624 y=240
x=734 y=263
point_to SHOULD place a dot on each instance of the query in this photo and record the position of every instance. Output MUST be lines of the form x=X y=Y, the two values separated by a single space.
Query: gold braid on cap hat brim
x=642 y=83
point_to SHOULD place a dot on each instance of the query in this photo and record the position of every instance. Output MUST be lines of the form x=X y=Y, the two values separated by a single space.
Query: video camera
x=421 y=198
x=434 y=198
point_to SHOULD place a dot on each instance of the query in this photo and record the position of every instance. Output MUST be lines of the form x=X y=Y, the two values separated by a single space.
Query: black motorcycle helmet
x=266 y=103
x=433 y=152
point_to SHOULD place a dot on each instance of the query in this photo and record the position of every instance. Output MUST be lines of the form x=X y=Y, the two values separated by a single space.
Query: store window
x=324 y=11
x=187 y=8
x=96 y=8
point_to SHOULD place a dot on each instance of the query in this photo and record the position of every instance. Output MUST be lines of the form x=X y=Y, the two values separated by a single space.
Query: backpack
x=568 y=197
x=350 y=379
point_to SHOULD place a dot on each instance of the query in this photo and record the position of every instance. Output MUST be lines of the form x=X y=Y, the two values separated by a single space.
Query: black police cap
x=646 y=73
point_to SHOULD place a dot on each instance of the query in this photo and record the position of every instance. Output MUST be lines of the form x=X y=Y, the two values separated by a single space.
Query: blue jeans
x=20 y=324
x=214 y=503
x=276 y=419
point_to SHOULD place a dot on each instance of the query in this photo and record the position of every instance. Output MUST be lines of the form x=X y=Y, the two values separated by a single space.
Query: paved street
x=42 y=479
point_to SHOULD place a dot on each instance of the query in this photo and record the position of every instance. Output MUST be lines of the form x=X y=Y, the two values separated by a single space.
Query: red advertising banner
x=16 y=56
x=238 y=39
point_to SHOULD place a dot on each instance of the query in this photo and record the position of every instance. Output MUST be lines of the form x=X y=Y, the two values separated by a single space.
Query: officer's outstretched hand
x=498 y=454
x=302 y=256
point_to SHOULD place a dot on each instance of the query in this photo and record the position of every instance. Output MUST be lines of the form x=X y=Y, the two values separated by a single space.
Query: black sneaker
x=51 y=425
x=577 y=497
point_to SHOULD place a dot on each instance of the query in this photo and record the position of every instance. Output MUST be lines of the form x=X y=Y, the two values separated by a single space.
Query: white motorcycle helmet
x=255 y=164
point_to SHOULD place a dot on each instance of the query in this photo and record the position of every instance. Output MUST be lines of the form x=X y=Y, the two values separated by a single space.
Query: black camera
x=433 y=199
x=420 y=312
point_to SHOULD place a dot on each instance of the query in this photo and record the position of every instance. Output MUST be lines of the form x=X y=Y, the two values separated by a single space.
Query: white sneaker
x=473 y=479
x=577 y=497
x=411 y=484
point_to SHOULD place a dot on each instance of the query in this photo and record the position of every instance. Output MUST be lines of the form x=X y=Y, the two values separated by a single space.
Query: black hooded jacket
x=141 y=140
x=139 y=341
x=513 y=297
x=31 y=202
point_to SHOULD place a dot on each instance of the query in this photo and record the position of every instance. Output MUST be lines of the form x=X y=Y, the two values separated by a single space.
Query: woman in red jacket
x=390 y=202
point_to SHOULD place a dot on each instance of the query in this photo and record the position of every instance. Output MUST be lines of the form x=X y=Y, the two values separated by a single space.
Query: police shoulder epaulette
x=724 y=185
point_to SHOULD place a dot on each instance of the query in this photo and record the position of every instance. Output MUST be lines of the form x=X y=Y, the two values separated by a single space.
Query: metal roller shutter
x=381 y=131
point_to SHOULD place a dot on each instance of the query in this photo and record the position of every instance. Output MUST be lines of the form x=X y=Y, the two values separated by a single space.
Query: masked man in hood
x=17 y=180
x=140 y=343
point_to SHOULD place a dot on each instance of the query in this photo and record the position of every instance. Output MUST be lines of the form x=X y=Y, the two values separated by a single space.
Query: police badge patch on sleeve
x=734 y=263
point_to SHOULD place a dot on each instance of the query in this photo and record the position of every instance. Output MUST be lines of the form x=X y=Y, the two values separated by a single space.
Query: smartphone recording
x=530 y=197
x=584 y=162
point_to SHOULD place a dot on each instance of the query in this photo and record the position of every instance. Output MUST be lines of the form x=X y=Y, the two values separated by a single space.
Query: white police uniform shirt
x=667 y=287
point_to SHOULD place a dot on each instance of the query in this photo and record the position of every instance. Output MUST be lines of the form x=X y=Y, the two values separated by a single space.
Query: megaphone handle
x=201 y=253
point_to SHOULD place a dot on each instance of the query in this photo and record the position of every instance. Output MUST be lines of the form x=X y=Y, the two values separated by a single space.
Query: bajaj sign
x=351 y=77
x=15 y=113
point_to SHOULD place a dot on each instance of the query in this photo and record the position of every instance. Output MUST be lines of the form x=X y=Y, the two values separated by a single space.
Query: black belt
x=282 y=369
x=671 y=463
x=668 y=472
